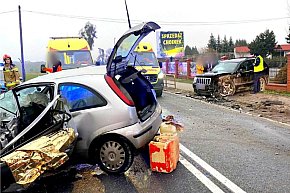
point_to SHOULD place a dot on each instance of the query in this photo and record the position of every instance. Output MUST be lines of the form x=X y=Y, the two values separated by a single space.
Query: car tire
x=159 y=93
x=262 y=84
x=228 y=88
x=113 y=155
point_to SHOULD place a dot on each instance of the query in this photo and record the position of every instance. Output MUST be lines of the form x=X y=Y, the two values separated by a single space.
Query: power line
x=4 y=12
x=226 y=22
x=173 y=23
x=82 y=17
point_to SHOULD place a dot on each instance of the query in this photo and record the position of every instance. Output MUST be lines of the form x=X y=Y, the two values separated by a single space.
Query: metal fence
x=273 y=72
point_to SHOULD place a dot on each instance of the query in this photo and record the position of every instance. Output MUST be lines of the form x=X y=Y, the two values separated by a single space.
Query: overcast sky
x=38 y=28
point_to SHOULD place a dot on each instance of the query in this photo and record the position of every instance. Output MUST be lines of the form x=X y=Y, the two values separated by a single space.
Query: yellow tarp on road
x=45 y=153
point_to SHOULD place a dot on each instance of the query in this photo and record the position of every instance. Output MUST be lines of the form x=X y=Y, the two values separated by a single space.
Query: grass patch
x=287 y=94
x=32 y=75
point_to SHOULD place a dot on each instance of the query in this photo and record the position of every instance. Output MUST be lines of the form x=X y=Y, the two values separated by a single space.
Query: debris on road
x=170 y=125
x=95 y=170
x=274 y=107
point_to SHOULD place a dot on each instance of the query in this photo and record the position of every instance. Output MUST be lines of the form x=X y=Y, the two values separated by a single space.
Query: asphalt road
x=252 y=152
x=222 y=150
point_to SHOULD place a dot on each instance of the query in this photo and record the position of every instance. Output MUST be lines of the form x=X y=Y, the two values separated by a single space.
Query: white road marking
x=207 y=182
x=230 y=185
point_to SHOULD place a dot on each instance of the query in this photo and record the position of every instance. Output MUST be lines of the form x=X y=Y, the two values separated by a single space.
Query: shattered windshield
x=144 y=59
x=8 y=103
x=225 y=67
x=126 y=45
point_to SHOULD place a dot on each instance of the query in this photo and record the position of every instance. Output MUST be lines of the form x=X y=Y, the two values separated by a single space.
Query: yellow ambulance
x=73 y=52
x=145 y=58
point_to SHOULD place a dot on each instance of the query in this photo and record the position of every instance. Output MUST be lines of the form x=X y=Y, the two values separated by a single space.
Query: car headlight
x=160 y=75
x=194 y=80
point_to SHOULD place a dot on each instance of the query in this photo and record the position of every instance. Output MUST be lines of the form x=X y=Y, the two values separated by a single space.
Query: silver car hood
x=117 y=64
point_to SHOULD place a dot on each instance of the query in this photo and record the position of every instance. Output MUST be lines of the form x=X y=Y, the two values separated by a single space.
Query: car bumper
x=141 y=134
x=159 y=85
x=208 y=90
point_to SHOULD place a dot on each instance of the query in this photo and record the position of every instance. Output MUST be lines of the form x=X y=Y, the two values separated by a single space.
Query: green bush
x=276 y=61
x=281 y=77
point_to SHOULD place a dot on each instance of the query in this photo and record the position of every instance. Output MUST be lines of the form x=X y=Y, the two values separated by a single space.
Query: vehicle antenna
x=129 y=22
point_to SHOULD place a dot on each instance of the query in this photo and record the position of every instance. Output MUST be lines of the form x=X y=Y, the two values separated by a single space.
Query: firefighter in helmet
x=11 y=73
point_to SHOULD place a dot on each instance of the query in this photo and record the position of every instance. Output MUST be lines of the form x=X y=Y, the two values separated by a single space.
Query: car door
x=28 y=103
x=86 y=106
x=246 y=72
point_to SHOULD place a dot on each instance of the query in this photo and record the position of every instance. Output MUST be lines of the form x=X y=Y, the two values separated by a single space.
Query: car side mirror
x=160 y=64
x=42 y=68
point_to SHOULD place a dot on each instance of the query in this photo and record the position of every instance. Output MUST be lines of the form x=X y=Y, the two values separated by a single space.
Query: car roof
x=237 y=60
x=74 y=73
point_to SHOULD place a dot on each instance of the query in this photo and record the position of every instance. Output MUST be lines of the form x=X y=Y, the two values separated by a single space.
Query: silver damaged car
x=114 y=106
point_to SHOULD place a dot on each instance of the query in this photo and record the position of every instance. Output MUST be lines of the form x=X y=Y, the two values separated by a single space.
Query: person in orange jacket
x=199 y=66
x=56 y=65
x=55 y=68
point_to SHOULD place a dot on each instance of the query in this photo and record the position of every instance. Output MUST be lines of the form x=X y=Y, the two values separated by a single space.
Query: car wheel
x=262 y=84
x=228 y=88
x=159 y=93
x=114 y=155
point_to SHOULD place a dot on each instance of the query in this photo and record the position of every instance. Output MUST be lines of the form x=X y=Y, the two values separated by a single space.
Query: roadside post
x=176 y=68
x=21 y=43
x=188 y=61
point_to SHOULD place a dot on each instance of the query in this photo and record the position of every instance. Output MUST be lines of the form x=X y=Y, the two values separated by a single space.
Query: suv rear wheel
x=114 y=155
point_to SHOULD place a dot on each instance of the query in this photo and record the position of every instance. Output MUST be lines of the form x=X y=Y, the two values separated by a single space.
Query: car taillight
x=118 y=91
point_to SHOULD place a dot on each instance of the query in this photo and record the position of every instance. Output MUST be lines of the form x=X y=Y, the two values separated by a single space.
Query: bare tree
x=89 y=33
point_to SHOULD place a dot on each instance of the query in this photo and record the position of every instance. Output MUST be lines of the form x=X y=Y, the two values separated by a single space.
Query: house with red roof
x=282 y=50
x=242 y=51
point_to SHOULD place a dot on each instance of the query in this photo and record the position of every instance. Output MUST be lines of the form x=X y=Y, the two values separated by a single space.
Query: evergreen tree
x=212 y=42
x=231 y=45
x=194 y=50
x=241 y=42
x=264 y=43
x=218 y=44
x=225 y=45
x=187 y=51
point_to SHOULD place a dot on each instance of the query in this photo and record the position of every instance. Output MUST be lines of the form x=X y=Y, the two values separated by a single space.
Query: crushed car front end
x=205 y=84
x=45 y=143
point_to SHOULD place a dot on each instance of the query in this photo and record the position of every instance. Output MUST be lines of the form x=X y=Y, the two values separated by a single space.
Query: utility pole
x=21 y=43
